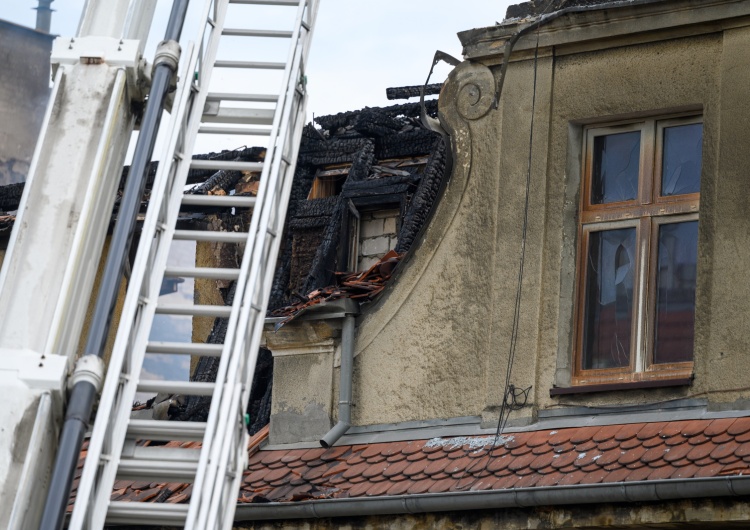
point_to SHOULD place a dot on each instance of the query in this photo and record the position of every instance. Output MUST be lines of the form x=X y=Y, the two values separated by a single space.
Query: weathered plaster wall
x=643 y=79
x=422 y=354
x=438 y=345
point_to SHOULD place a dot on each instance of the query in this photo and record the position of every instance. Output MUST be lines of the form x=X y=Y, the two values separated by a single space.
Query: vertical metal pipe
x=345 y=384
x=44 y=16
x=84 y=393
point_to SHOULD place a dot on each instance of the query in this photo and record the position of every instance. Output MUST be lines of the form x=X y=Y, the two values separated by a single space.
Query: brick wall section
x=377 y=235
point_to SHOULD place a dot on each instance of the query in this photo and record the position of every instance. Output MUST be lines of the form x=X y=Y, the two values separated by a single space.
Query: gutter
x=647 y=490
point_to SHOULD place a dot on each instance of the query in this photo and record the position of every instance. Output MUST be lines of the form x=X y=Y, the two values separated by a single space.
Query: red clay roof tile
x=605 y=433
x=740 y=426
x=588 y=446
x=649 y=430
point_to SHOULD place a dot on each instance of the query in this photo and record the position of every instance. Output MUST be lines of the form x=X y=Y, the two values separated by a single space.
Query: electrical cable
x=509 y=389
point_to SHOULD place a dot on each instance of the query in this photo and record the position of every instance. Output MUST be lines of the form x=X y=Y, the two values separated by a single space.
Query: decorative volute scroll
x=475 y=89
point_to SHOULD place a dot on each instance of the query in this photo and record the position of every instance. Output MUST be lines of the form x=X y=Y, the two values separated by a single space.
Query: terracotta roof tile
x=587 y=446
x=653 y=442
x=723 y=451
x=605 y=433
x=699 y=452
x=603 y=446
x=627 y=445
x=740 y=426
x=420 y=486
x=718 y=427
x=649 y=430
x=334 y=453
x=628 y=431
x=722 y=438
x=584 y=434
x=399 y=488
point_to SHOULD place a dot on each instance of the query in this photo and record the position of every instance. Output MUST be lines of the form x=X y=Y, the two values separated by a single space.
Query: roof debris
x=363 y=286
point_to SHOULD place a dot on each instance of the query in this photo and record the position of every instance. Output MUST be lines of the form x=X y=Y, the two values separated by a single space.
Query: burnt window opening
x=370 y=228
x=329 y=182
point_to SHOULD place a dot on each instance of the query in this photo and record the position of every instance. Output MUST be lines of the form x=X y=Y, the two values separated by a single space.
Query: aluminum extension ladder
x=215 y=470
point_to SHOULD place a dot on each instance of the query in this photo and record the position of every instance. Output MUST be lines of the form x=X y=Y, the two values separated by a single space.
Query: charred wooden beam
x=406 y=92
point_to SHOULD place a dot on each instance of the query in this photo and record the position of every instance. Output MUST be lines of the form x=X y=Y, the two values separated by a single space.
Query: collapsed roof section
x=365 y=184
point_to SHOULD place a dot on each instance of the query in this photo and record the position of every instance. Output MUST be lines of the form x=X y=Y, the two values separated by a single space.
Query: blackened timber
x=424 y=198
x=219 y=181
x=10 y=196
x=409 y=110
x=406 y=92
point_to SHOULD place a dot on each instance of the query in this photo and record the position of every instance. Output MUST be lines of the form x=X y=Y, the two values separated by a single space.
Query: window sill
x=630 y=385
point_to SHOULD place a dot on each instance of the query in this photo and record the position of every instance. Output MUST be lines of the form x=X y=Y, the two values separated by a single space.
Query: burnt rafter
x=406 y=92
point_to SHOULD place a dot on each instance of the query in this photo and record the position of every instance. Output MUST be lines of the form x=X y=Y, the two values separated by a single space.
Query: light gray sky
x=359 y=48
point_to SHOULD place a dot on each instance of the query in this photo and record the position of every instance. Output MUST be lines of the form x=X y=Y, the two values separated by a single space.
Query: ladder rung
x=229 y=96
x=166 y=431
x=147 y=513
x=266 y=2
x=185 y=348
x=250 y=65
x=234 y=130
x=160 y=470
x=223 y=201
x=208 y=235
x=202 y=272
x=221 y=311
x=238 y=115
x=239 y=32
x=226 y=165
x=185 y=388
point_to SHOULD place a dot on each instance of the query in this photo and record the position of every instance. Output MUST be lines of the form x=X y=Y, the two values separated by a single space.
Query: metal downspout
x=89 y=372
x=345 y=384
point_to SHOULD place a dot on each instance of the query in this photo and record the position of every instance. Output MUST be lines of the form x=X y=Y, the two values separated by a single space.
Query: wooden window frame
x=646 y=213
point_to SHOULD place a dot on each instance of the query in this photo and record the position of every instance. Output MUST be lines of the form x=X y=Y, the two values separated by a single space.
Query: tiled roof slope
x=584 y=455
x=587 y=455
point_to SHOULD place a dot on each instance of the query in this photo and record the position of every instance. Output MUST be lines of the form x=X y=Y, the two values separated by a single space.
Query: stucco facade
x=436 y=345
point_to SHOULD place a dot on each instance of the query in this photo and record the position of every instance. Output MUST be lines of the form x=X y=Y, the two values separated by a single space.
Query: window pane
x=675 y=296
x=610 y=273
x=616 y=165
x=681 y=167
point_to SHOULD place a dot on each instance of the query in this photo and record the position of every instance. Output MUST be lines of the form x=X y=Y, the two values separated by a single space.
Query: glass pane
x=681 y=167
x=610 y=273
x=675 y=295
x=616 y=166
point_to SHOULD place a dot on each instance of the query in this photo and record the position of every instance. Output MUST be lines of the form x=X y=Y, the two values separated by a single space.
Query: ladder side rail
x=257 y=257
x=132 y=311
x=139 y=333
x=236 y=452
x=217 y=420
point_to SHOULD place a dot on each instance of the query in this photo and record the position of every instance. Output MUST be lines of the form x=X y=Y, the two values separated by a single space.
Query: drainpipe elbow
x=334 y=434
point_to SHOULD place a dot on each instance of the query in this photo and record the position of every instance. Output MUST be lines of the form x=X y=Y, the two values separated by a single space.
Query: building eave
x=641 y=491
